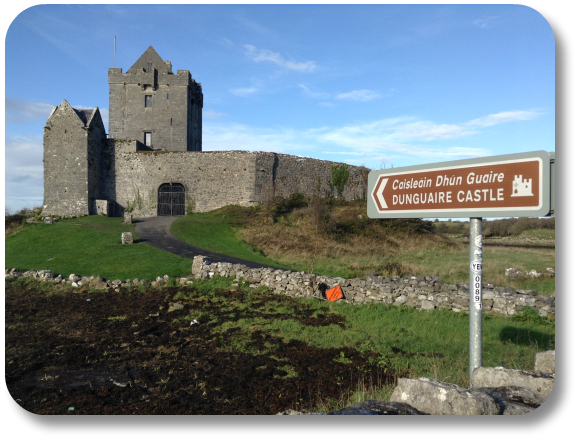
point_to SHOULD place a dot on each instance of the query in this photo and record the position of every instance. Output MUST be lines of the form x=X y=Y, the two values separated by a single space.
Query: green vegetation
x=339 y=178
x=89 y=245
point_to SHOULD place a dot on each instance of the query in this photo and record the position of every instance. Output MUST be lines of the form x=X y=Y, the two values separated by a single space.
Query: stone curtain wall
x=213 y=179
x=65 y=164
x=283 y=175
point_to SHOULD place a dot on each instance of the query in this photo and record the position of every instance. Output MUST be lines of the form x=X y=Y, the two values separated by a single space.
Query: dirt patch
x=125 y=353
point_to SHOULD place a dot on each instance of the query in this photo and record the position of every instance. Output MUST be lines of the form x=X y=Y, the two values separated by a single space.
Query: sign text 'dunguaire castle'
x=502 y=186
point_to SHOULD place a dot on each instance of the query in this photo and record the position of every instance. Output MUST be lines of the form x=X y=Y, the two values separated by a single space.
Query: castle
x=151 y=162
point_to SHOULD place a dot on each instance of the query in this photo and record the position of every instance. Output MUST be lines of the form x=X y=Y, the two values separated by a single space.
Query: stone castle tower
x=150 y=104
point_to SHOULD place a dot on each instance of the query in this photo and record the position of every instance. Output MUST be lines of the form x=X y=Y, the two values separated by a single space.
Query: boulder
x=513 y=400
x=439 y=398
x=546 y=362
x=538 y=382
x=198 y=263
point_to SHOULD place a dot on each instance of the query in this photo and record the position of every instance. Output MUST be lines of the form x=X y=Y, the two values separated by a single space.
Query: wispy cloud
x=24 y=176
x=259 y=55
x=327 y=104
x=212 y=114
x=485 y=22
x=244 y=91
x=23 y=111
x=407 y=137
x=313 y=94
x=358 y=95
x=503 y=117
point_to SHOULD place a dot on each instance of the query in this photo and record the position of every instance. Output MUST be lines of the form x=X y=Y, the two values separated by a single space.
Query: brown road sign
x=508 y=185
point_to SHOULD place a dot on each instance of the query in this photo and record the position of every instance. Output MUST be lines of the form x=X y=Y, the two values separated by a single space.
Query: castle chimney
x=169 y=65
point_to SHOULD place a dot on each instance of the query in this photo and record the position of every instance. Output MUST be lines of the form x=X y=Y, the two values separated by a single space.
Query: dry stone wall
x=420 y=292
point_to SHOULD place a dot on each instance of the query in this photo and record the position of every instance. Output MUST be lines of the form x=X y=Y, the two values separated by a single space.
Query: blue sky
x=373 y=85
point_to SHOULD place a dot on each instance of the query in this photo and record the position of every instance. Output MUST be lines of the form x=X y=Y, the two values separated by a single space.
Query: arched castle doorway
x=171 y=199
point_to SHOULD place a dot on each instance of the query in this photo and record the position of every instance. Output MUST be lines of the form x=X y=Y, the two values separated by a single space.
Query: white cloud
x=359 y=95
x=24 y=172
x=23 y=111
x=313 y=94
x=503 y=117
x=259 y=55
x=406 y=137
x=244 y=91
x=226 y=42
x=212 y=114
x=484 y=23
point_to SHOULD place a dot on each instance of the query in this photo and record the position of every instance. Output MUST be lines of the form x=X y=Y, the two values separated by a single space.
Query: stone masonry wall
x=283 y=174
x=212 y=179
x=65 y=164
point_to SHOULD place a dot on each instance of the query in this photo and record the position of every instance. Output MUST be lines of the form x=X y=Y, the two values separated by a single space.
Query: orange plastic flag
x=334 y=294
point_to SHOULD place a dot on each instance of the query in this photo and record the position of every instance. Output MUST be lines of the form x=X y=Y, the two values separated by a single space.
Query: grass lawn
x=87 y=246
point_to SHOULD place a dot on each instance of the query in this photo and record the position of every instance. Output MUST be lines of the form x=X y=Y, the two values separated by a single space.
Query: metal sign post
x=476 y=289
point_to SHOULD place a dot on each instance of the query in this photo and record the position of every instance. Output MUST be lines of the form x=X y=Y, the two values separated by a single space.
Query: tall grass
x=294 y=240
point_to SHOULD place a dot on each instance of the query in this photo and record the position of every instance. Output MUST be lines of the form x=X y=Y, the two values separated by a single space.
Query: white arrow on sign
x=382 y=183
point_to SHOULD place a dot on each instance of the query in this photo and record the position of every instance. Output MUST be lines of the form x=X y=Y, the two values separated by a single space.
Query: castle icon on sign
x=521 y=188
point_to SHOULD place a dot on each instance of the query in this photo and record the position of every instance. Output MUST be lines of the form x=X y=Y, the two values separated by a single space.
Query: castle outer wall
x=214 y=179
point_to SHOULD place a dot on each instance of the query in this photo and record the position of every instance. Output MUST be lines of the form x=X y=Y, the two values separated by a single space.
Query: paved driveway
x=156 y=231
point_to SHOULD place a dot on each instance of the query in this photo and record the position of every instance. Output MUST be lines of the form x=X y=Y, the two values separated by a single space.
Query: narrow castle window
x=150 y=66
x=148 y=101
x=148 y=139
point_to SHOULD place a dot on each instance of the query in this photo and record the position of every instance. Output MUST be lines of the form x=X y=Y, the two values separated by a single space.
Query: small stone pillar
x=127 y=218
x=126 y=238
x=199 y=262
